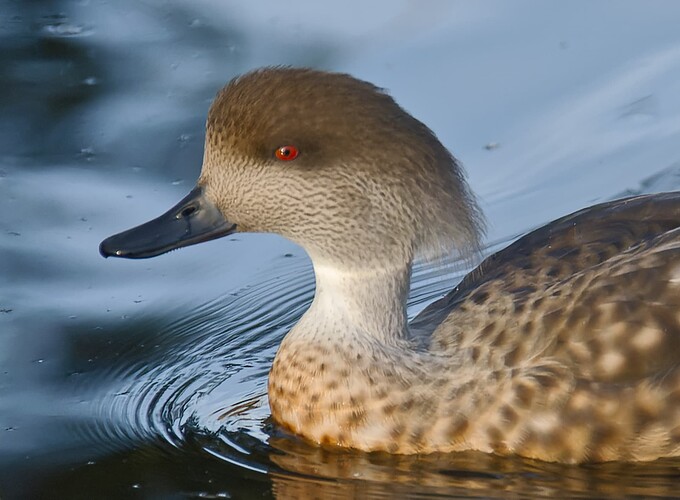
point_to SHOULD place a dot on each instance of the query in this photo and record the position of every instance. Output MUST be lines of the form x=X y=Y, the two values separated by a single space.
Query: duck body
x=563 y=347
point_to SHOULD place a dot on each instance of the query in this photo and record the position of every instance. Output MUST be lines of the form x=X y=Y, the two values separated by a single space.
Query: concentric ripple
x=206 y=394
x=215 y=372
x=212 y=379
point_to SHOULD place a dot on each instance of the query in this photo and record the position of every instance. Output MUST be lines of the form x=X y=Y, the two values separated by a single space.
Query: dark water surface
x=147 y=379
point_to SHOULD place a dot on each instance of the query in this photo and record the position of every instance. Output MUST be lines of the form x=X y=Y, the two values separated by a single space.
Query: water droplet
x=58 y=26
x=87 y=154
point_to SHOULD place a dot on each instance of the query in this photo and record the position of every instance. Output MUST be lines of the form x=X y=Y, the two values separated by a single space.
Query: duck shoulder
x=605 y=278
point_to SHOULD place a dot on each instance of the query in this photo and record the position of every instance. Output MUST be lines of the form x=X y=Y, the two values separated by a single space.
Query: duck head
x=325 y=160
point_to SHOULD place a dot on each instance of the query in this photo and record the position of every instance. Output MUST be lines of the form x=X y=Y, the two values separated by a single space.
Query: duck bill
x=193 y=220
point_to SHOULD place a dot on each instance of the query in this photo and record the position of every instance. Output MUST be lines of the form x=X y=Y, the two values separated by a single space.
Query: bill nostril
x=187 y=211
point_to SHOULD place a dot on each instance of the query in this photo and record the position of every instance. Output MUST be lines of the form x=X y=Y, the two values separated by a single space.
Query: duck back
x=580 y=320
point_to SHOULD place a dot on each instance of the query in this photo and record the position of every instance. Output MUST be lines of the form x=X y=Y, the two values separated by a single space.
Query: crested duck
x=564 y=347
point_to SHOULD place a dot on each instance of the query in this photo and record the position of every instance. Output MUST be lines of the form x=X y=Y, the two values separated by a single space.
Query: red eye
x=287 y=153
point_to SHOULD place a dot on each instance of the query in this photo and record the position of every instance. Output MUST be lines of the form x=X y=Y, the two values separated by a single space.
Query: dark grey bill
x=192 y=220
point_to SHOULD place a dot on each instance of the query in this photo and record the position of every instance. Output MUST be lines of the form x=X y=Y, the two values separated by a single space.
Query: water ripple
x=213 y=373
x=211 y=380
x=208 y=393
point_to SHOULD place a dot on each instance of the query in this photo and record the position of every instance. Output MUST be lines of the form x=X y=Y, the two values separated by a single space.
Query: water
x=147 y=379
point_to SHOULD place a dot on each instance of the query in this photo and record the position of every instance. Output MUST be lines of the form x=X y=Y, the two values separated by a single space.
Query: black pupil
x=285 y=152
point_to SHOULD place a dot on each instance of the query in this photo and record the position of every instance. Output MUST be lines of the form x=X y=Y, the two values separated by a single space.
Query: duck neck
x=368 y=302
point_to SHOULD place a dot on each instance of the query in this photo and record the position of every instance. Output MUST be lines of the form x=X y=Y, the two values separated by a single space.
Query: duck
x=562 y=347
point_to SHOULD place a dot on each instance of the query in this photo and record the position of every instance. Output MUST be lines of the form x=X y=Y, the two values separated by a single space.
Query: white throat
x=365 y=302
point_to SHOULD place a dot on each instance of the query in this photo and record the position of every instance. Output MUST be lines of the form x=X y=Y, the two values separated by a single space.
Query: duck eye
x=287 y=153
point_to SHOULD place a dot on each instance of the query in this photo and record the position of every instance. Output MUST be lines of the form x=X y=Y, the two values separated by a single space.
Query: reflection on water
x=148 y=379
